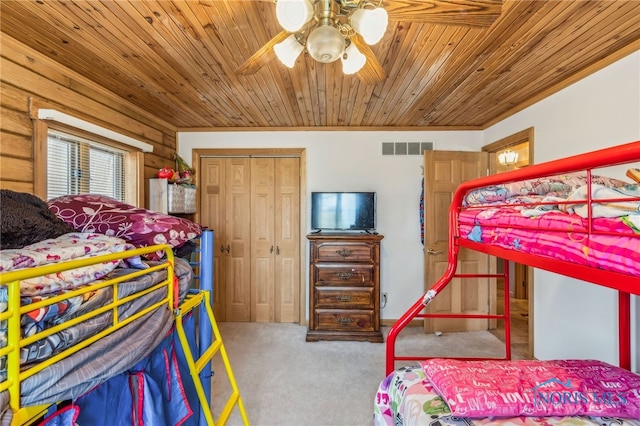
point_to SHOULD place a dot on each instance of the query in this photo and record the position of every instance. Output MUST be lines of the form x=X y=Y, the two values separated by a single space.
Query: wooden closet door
x=275 y=239
x=226 y=208
x=263 y=245
x=212 y=212
x=253 y=205
x=237 y=228
x=287 y=236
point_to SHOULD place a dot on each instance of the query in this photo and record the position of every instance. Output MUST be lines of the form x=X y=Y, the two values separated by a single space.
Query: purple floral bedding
x=138 y=226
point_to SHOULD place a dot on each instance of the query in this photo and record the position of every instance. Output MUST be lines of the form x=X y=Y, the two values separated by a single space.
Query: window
x=74 y=156
x=79 y=166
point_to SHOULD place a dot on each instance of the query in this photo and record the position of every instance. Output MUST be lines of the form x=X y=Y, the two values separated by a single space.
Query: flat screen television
x=343 y=211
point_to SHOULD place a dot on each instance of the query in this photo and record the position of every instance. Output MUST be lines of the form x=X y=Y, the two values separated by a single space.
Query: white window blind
x=79 y=166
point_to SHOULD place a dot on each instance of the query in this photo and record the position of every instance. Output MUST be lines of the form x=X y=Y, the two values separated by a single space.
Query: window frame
x=133 y=159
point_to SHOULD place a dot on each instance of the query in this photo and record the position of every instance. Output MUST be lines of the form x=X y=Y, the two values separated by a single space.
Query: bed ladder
x=203 y=362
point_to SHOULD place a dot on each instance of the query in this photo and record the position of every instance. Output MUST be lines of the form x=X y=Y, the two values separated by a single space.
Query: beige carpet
x=285 y=381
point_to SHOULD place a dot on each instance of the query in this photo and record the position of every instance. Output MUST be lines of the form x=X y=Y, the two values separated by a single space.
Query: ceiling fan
x=329 y=30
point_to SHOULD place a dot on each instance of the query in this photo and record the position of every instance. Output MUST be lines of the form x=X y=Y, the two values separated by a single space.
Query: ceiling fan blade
x=466 y=13
x=262 y=56
x=372 y=71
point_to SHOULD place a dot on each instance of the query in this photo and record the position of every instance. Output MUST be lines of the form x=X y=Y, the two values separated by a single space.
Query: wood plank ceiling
x=177 y=60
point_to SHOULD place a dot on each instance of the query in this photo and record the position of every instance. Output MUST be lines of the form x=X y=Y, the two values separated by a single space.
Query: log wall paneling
x=30 y=81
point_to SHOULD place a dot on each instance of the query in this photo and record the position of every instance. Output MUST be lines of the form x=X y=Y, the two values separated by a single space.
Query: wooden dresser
x=344 y=287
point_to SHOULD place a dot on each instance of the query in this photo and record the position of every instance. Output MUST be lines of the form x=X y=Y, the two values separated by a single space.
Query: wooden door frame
x=525 y=135
x=301 y=153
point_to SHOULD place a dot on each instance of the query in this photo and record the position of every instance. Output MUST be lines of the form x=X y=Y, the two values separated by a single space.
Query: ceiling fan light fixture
x=293 y=14
x=371 y=24
x=325 y=44
x=352 y=60
x=288 y=50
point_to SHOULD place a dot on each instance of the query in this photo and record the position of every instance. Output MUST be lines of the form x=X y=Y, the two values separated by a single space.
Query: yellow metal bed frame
x=23 y=415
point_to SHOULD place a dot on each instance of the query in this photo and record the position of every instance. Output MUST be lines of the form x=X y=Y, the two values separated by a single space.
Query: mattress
x=408 y=397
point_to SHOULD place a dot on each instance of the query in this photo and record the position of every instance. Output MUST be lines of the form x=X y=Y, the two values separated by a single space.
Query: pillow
x=578 y=179
x=25 y=219
x=138 y=226
x=479 y=389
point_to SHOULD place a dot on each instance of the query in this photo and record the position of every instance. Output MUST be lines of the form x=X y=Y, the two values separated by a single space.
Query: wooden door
x=275 y=239
x=287 y=237
x=253 y=204
x=444 y=172
x=212 y=195
x=226 y=206
x=521 y=281
x=263 y=243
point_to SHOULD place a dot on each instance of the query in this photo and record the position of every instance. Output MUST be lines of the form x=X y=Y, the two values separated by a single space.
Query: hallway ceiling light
x=508 y=158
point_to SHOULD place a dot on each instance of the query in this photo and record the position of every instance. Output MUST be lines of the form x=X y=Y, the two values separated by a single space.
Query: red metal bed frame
x=625 y=284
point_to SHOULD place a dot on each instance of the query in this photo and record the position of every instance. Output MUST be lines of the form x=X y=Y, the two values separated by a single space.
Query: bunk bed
x=564 y=216
x=101 y=329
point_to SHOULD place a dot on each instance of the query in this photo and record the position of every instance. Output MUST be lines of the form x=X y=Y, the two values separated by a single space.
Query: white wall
x=353 y=161
x=574 y=319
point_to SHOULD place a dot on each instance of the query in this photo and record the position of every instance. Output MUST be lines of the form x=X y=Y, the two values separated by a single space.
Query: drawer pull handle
x=344 y=252
x=343 y=298
x=345 y=275
x=344 y=321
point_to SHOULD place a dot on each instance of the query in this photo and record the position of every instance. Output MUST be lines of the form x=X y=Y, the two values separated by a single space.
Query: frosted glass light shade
x=293 y=14
x=325 y=44
x=371 y=24
x=508 y=158
x=288 y=50
x=354 y=61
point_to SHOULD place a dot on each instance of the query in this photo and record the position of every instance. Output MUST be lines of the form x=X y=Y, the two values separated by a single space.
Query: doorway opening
x=520 y=287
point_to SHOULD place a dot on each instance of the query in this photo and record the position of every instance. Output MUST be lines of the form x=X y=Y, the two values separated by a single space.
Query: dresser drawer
x=342 y=298
x=344 y=252
x=344 y=320
x=342 y=275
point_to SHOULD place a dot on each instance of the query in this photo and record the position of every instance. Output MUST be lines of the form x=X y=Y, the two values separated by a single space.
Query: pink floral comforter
x=550 y=218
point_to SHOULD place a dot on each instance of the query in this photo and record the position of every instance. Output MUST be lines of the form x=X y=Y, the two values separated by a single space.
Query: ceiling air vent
x=406 y=148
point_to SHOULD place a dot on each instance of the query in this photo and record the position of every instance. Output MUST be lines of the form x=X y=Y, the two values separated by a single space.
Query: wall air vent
x=406 y=148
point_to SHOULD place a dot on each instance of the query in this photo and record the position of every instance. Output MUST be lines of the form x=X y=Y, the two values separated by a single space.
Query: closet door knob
x=432 y=251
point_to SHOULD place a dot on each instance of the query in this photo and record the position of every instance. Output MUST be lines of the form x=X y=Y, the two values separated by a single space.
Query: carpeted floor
x=286 y=381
